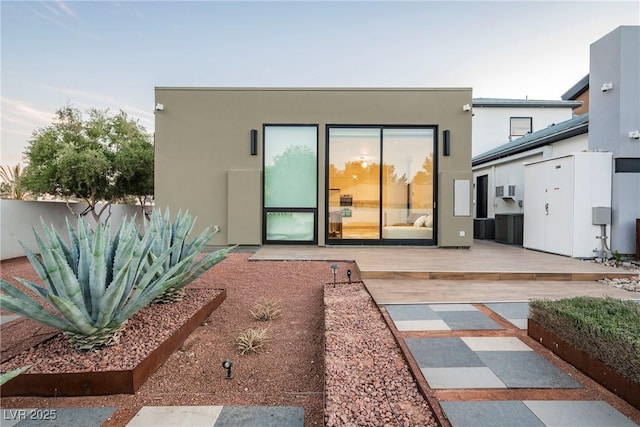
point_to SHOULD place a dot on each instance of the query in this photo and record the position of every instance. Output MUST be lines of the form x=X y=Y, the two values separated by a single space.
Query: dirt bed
x=289 y=372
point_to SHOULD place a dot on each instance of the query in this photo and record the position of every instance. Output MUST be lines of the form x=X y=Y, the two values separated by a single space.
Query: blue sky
x=113 y=54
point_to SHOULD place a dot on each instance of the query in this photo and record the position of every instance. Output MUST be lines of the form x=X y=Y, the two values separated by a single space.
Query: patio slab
x=514 y=312
x=53 y=417
x=578 y=413
x=439 y=317
x=534 y=413
x=490 y=414
x=218 y=416
x=464 y=362
x=526 y=369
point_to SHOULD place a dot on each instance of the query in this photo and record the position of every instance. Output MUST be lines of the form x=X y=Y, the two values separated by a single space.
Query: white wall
x=491 y=125
x=510 y=171
x=18 y=218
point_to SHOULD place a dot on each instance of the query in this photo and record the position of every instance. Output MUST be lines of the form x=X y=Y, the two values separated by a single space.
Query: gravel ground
x=291 y=369
x=367 y=382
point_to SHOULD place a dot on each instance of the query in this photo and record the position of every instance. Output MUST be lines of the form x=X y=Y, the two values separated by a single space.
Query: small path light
x=335 y=268
x=227 y=364
x=349 y=275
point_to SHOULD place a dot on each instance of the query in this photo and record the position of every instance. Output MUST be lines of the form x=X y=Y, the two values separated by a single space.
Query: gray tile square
x=411 y=312
x=81 y=417
x=526 y=369
x=441 y=378
x=452 y=307
x=442 y=353
x=261 y=416
x=468 y=320
x=510 y=310
x=506 y=413
x=578 y=413
x=515 y=312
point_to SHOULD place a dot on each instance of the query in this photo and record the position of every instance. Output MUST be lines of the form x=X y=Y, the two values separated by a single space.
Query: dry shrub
x=251 y=340
x=266 y=311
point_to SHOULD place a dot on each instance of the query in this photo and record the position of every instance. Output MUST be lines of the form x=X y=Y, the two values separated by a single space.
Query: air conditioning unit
x=512 y=191
x=500 y=191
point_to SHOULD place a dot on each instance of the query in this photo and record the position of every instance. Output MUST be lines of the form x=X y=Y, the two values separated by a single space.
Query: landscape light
x=335 y=268
x=349 y=275
x=227 y=364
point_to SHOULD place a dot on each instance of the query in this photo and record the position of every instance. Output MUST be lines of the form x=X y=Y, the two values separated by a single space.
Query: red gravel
x=367 y=382
x=291 y=369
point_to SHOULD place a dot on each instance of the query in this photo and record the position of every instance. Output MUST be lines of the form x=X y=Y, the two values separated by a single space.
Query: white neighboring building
x=613 y=88
x=498 y=120
x=504 y=166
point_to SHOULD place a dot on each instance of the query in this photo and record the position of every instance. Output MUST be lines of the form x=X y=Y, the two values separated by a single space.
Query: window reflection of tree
x=291 y=178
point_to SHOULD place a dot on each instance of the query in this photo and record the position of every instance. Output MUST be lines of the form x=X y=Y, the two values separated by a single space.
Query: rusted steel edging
x=593 y=368
x=109 y=382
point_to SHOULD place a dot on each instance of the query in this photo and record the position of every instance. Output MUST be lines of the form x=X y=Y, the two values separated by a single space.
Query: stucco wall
x=203 y=133
x=19 y=218
x=615 y=59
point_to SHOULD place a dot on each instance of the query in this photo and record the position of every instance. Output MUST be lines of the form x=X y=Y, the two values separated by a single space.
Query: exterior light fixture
x=606 y=87
x=159 y=107
x=446 y=142
x=254 y=142
x=227 y=364
x=349 y=275
x=335 y=268
x=634 y=134
x=466 y=107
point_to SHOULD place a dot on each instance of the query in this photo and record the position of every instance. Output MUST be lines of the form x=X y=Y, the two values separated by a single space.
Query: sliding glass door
x=380 y=185
x=354 y=184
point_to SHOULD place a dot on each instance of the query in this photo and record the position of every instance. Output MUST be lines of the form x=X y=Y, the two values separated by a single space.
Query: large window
x=290 y=183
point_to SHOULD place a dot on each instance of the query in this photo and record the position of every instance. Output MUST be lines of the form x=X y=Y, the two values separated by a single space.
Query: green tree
x=104 y=157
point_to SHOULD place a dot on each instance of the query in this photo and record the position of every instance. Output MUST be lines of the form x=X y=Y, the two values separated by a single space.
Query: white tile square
x=577 y=413
x=170 y=416
x=421 y=325
x=452 y=307
x=479 y=377
x=495 y=344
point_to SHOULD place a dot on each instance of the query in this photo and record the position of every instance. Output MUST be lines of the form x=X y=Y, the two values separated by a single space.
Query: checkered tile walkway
x=460 y=362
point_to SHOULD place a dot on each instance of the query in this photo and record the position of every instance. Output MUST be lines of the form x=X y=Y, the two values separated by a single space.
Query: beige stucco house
x=318 y=166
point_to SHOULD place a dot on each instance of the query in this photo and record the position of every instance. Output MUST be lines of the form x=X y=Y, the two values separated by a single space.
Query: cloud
x=51 y=19
x=67 y=10
x=20 y=112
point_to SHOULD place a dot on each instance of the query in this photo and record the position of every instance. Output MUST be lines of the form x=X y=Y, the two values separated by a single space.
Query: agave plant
x=172 y=237
x=8 y=376
x=93 y=284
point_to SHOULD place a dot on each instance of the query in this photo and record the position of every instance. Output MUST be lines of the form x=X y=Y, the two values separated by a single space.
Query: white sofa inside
x=419 y=225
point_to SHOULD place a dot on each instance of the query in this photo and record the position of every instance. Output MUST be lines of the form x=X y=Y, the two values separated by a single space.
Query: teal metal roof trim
x=567 y=129
x=509 y=103
x=577 y=89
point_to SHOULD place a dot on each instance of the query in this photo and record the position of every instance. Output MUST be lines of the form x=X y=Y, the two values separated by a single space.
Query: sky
x=112 y=54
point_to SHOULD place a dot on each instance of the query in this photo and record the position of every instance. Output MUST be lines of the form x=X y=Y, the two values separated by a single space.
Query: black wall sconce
x=254 y=142
x=446 y=142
